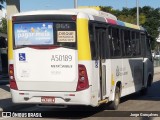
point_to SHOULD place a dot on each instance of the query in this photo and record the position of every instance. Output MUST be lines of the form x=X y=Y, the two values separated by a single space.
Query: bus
x=76 y=57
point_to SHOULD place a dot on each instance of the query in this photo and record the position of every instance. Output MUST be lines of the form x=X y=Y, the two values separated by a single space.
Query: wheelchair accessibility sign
x=22 y=57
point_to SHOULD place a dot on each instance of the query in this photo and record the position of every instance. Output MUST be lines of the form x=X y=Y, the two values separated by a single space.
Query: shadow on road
x=8 y=105
x=4 y=82
x=4 y=103
x=4 y=87
x=146 y=118
x=153 y=94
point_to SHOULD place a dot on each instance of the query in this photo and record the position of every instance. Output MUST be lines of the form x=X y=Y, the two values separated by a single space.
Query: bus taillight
x=83 y=78
x=13 y=84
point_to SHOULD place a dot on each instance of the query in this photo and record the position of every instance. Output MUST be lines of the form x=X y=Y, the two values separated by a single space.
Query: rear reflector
x=83 y=78
x=13 y=85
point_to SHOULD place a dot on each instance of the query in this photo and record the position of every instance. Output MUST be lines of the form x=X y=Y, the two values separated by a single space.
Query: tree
x=149 y=18
x=152 y=22
x=3 y=29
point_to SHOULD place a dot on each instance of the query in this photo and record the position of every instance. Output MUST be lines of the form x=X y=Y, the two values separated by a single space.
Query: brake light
x=82 y=79
x=13 y=84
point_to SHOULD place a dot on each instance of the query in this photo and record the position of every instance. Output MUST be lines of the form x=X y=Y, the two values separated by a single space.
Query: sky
x=28 y=5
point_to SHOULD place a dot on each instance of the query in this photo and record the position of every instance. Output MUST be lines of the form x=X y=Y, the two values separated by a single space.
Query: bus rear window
x=45 y=33
x=65 y=34
x=33 y=34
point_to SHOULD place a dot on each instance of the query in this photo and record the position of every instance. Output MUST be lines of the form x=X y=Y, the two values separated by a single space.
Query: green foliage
x=149 y=18
x=3 y=29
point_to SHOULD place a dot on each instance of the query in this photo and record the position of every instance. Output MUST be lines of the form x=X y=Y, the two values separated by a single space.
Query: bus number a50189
x=61 y=58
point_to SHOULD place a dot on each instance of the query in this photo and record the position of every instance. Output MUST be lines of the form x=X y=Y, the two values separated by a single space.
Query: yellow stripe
x=112 y=80
x=84 y=52
x=10 y=40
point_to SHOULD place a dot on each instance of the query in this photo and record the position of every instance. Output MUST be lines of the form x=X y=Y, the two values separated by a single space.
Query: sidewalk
x=156 y=70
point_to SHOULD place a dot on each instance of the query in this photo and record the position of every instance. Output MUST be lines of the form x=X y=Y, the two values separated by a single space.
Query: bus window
x=114 y=41
x=101 y=40
x=138 y=44
x=45 y=33
x=133 y=43
x=127 y=43
x=92 y=42
x=146 y=46
x=65 y=34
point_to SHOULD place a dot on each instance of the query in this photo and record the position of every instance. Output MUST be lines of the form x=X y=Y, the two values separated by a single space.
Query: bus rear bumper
x=54 y=98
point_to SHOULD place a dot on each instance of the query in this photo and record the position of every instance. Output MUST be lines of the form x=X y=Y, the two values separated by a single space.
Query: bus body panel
x=60 y=98
x=132 y=75
x=148 y=70
x=108 y=77
x=56 y=69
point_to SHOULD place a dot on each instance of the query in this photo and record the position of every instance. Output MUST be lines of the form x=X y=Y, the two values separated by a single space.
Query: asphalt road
x=132 y=104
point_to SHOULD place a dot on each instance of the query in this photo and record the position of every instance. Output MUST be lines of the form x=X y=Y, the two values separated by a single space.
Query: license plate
x=47 y=99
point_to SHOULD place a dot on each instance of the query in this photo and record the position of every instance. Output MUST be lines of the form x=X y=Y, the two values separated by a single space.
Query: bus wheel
x=114 y=104
x=144 y=90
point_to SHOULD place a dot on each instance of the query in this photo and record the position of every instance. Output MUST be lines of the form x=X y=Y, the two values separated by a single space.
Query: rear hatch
x=45 y=55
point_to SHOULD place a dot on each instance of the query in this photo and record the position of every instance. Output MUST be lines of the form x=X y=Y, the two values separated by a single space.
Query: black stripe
x=27 y=18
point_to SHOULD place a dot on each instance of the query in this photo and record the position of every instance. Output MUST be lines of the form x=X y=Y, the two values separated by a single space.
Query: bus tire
x=145 y=89
x=114 y=104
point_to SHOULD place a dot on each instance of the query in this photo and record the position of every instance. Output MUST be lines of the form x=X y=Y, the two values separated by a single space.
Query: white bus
x=76 y=57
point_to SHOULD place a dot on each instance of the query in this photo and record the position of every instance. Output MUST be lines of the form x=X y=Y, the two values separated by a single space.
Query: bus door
x=101 y=44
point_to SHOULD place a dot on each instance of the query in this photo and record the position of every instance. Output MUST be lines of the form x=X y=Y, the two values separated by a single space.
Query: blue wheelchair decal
x=22 y=57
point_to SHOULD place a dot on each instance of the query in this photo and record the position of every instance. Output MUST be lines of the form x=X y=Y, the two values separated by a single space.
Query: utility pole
x=75 y=3
x=126 y=3
x=137 y=4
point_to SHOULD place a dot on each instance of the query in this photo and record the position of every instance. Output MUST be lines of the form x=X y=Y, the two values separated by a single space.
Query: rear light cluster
x=83 y=78
x=13 y=84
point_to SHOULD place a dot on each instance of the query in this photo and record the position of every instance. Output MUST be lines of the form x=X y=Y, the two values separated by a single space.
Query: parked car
x=156 y=55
